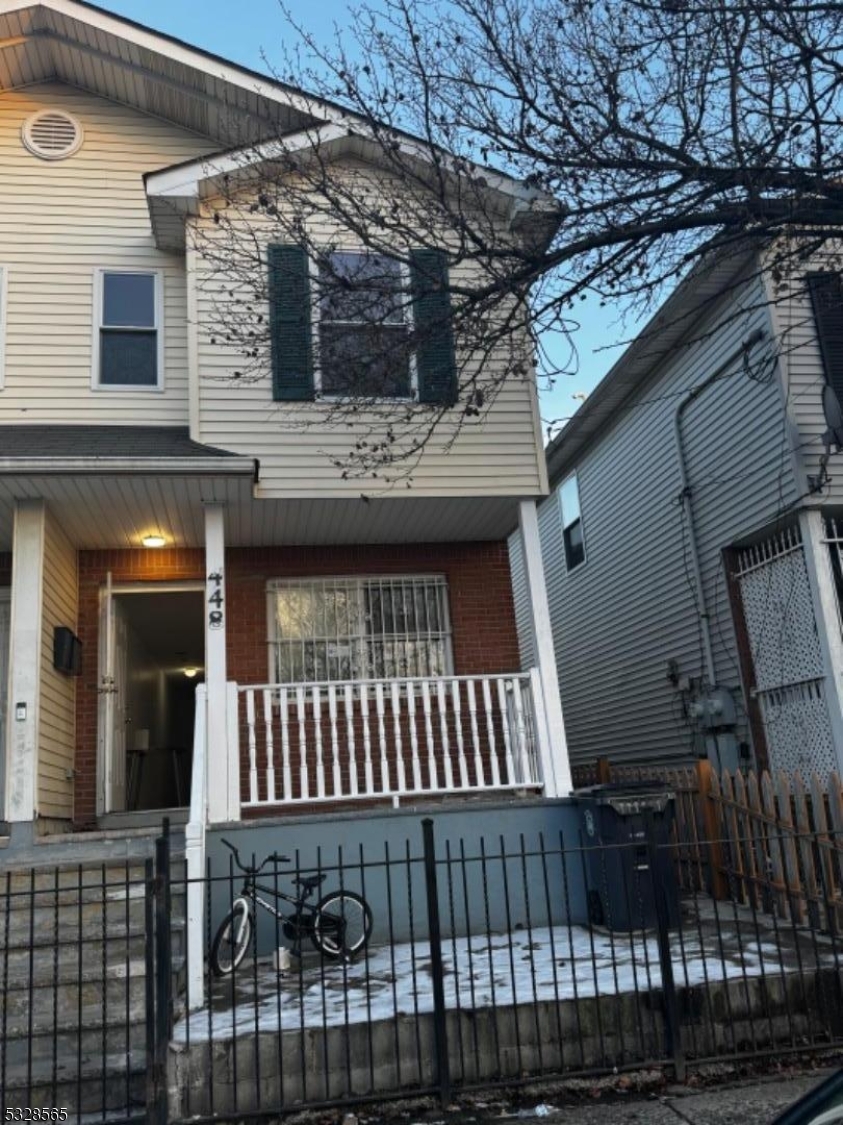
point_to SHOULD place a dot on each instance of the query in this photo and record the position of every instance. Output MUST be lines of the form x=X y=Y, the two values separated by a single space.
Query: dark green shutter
x=289 y=323
x=827 y=301
x=435 y=355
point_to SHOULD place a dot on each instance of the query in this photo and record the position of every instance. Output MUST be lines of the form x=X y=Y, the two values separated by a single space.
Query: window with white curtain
x=359 y=628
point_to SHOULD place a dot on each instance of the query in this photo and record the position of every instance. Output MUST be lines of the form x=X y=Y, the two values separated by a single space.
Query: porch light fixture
x=153 y=540
x=191 y=673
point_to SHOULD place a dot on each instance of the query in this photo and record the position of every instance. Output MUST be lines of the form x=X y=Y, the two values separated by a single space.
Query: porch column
x=223 y=792
x=827 y=614
x=25 y=660
x=559 y=783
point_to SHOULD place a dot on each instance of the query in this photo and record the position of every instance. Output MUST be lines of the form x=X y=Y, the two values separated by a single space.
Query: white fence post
x=557 y=778
x=194 y=838
x=232 y=742
x=219 y=801
x=544 y=747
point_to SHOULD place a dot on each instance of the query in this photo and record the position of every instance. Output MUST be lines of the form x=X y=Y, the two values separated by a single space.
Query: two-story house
x=163 y=526
x=692 y=536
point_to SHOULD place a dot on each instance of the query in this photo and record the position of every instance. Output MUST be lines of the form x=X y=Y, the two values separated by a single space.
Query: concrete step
x=46 y=914
x=69 y=876
x=45 y=954
x=47 y=962
x=96 y=1039
x=111 y=1084
x=46 y=1003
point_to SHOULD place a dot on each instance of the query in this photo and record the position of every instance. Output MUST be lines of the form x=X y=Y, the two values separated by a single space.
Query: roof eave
x=669 y=325
x=129 y=466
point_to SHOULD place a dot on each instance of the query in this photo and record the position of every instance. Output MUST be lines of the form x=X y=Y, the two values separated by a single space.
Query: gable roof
x=177 y=191
x=237 y=109
x=79 y=43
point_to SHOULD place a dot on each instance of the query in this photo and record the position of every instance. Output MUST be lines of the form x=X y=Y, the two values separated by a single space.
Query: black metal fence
x=75 y=964
x=504 y=962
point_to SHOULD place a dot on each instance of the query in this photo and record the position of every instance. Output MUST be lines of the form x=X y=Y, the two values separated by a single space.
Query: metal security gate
x=787 y=662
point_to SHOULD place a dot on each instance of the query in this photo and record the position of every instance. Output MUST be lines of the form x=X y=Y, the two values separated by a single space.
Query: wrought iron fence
x=496 y=961
x=75 y=966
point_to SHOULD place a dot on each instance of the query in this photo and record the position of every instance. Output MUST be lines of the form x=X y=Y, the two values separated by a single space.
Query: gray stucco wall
x=618 y=619
x=324 y=842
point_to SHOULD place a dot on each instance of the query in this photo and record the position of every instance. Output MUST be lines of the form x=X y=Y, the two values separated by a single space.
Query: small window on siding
x=572 y=532
x=128 y=344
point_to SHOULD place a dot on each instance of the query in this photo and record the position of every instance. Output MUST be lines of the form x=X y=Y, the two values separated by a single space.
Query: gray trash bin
x=616 y=822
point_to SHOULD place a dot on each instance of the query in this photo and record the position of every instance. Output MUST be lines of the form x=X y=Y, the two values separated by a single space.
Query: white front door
x=5 y=622
x=113 y=703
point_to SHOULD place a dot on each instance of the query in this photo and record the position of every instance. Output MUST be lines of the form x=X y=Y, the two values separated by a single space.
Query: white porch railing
x=376 y=739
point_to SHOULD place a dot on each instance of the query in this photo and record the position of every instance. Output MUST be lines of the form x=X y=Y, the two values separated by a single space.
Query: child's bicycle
x=339 y=925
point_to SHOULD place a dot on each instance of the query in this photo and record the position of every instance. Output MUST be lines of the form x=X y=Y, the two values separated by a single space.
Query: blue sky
x=244 y=32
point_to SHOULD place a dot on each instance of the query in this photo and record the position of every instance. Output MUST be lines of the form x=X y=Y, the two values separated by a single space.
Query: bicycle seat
x=309 y=881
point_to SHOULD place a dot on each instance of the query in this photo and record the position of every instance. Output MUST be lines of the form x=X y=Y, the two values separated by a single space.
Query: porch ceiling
x=115 y=510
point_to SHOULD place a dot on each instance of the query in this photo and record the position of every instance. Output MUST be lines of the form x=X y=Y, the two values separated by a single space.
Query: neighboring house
x=161 y=525
x=691 y=539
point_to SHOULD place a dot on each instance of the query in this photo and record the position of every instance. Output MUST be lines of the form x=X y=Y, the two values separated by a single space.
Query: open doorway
x=153 y=656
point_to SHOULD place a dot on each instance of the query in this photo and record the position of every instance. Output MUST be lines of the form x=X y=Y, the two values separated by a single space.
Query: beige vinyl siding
x=57 y=725
x=618 y=619
x=298 y=443
x=59 y=220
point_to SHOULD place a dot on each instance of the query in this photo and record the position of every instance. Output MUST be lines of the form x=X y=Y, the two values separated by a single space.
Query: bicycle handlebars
x=274 y=858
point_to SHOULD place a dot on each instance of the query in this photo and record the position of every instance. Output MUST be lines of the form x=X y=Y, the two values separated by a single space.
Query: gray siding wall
x=803 y=377
x=620 y=618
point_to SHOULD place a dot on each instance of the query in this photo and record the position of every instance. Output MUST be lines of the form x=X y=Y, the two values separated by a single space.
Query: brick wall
x=480 y=592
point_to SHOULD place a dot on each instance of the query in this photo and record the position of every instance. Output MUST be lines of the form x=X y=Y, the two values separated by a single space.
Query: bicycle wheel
x=342 y=924
x=232 y=939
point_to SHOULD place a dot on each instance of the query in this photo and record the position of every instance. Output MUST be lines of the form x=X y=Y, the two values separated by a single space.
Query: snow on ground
x=563 y=963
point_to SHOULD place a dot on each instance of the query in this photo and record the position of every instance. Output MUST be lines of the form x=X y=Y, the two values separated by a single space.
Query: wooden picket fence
x=771 y=843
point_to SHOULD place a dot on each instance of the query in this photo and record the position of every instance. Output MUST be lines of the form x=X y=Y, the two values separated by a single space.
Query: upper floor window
x=363 y=339
x=826 y=292
x=128 y=337
x=572 y=533
x=359 y=628
x=361 y=325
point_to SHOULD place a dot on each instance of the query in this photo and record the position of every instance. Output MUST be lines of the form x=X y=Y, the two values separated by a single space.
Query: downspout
x=686 y=494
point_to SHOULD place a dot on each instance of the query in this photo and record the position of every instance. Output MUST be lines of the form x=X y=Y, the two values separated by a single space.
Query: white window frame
x=565 y=524
x=276 y=584
x=99 y=294
x=316 y=320
x=4 y=323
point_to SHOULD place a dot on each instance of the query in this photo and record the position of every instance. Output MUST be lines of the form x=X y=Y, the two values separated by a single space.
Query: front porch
x=412 y=691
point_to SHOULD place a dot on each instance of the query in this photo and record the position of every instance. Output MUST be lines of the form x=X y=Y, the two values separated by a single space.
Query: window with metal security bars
x=359 y=628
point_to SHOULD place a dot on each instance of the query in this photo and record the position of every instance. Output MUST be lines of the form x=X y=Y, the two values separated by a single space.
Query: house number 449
x=215 y=601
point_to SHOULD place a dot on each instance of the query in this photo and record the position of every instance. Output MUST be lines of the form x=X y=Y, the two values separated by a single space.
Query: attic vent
x=52 y=134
